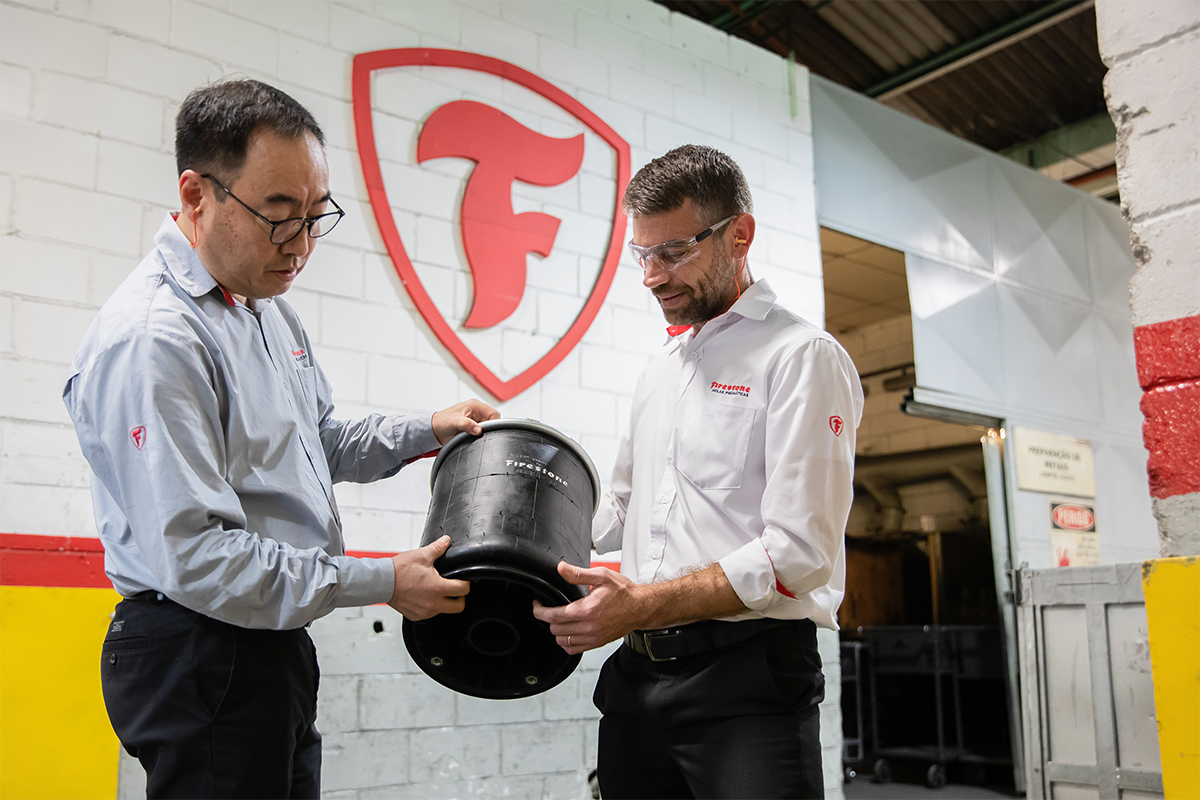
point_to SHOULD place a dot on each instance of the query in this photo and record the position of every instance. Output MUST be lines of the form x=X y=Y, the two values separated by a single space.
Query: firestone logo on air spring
x=494 y=239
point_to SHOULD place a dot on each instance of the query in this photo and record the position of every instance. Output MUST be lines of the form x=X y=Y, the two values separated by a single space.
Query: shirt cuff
x=413 y=436
x=607 y=530
x=364 y=581
x=751 y=575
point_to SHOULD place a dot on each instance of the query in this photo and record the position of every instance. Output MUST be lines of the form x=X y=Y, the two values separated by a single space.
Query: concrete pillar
x=1152 y=50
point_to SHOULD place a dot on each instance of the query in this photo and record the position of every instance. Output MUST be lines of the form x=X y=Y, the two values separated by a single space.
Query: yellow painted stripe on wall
x=1172 y=590
x=55 y=738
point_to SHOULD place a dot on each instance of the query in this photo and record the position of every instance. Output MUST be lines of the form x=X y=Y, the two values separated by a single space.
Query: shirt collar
x=184 y=263
x=755 y=303
x=182 y=260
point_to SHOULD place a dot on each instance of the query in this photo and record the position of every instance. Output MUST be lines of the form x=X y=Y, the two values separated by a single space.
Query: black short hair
x=712 y=180
x=214 y=124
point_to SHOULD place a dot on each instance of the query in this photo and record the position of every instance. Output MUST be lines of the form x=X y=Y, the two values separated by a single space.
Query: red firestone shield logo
x=495 y=240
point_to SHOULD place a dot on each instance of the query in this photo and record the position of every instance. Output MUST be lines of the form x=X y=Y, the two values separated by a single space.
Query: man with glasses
x=728 y=501
x=209 y=428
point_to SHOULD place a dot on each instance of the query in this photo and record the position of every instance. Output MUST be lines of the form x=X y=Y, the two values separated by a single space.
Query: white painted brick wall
x=1153 y=92
x=88 y=92
x=106 y=111
x=36 y=39
x=43 y=151
x=148 y=18
x=158 y=69
x=104 y=222
x=16 y=91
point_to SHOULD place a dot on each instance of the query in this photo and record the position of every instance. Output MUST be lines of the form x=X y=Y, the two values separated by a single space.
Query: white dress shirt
x=210 y=432
x=740 y=450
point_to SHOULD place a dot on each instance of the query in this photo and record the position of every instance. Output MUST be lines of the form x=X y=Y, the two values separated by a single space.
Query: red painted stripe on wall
x=1171 y=434
x=78 y=562
x=75 y=562
x=1167 y=352
x=1168 y=363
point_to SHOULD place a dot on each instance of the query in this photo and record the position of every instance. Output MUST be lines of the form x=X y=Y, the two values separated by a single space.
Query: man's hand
x=463 y=417
x=615 y=606
x=420 y=592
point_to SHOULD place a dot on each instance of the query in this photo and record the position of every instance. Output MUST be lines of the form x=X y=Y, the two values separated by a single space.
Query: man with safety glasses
x=209 y=427
x=728 y=501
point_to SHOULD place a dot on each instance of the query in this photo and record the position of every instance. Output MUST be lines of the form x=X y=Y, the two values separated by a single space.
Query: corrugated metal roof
x=995 y=72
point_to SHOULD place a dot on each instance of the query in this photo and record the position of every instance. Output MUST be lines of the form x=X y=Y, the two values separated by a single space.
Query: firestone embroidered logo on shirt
x=724 y=388
x=836 y=425
x=138 y=435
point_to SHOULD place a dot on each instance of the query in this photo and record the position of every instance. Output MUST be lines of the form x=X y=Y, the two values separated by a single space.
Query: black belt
x=158 y=599
x=149 y=596
x=669 y=644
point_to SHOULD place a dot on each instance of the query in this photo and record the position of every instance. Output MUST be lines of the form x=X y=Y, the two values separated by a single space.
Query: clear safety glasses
x=670 y=255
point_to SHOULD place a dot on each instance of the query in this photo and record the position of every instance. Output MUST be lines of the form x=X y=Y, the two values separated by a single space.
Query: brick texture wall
x=88 y=93
x=1152 y=51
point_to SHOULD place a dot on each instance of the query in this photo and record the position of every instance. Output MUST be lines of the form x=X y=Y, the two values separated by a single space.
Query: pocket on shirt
x=713 y=443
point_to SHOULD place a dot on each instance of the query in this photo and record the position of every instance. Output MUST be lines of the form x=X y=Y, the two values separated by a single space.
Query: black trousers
x=211 y=709
x=738 y=722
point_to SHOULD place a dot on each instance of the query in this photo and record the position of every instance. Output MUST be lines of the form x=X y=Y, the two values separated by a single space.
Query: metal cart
x=923 y=670
x=853 y=733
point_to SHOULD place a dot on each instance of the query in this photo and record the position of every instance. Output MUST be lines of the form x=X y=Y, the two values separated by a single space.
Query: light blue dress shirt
x=209 y=430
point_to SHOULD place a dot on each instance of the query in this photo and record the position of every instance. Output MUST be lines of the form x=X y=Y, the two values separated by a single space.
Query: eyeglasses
x=670 y=255
x=285 y=230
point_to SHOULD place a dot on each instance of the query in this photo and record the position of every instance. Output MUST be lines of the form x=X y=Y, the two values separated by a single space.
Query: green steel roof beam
x=1067 y=142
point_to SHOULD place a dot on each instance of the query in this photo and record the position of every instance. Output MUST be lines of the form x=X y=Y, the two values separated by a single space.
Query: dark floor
x=863 y=789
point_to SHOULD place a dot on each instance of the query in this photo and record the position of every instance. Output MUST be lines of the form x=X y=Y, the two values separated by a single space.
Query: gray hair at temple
x=215 y=123
x=712 y=180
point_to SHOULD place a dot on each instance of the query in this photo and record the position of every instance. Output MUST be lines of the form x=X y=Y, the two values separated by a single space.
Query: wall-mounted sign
x=1073 y=537
x=498 y=198
x=1048 y=462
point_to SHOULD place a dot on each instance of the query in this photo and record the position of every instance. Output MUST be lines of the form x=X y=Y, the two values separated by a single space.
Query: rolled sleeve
x=810 y=468
x=751 y=575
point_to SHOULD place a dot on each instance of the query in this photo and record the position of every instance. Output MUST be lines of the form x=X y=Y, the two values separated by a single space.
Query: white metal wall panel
x=1109 y=256
x=1123 y=537
x=1019 y=292
x=893 y=183
x=948 y=300
x=1049 y=354
x=1038 y=225
x=1116 y=368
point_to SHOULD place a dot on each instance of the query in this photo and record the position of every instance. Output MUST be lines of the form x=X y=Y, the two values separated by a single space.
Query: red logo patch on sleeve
x=836 y=425
x=138 y=435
